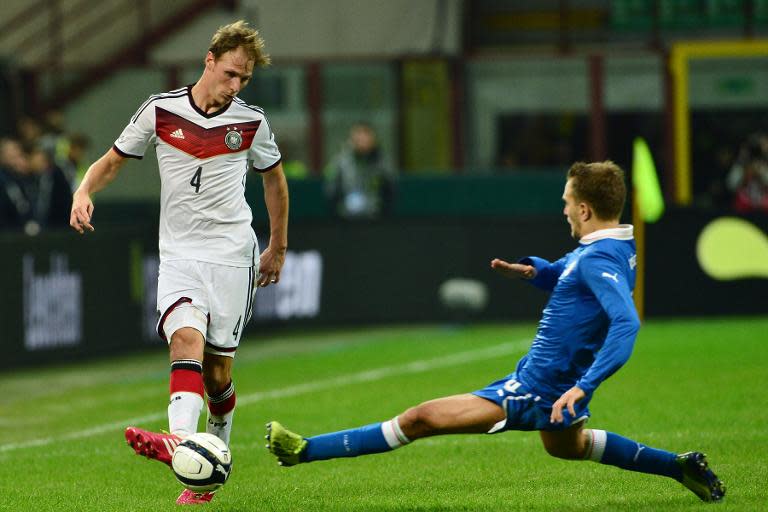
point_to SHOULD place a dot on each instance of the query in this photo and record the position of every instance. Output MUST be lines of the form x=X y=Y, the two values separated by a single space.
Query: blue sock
x=346 y=443
x=628 y=454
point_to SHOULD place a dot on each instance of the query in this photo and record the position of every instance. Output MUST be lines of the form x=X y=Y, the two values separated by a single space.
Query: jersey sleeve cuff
x=124 y=154
x=266 y=169
x=542 y=279
x=586 y=388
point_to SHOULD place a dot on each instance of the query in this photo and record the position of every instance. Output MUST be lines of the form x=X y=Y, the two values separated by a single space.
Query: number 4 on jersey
x=195 y=181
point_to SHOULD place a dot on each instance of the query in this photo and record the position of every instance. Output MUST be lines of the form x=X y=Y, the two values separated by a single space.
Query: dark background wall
x=68 y=296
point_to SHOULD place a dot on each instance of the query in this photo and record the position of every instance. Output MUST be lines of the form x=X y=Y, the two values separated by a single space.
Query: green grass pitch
x=694 y=384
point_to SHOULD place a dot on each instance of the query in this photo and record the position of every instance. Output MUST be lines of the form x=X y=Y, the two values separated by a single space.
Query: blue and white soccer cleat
x=284 y=444
x=699 y=478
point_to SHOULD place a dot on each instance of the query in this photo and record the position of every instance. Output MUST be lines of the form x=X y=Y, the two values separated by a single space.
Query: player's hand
x=82 y=210
x=568 y=399
x=270 y=263
x=513 y=270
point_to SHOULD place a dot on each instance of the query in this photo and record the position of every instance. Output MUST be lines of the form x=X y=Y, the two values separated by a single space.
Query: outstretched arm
x=540 y=272
x=99 y=175
x=276 y=199
x=513 y=270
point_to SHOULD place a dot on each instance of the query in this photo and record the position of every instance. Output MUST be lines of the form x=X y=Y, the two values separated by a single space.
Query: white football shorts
x=217 y=300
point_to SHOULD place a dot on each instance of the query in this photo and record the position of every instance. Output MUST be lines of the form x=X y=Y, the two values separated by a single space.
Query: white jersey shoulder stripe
x=172 y=94
x=162 y=95
x=246 y=105
x=255 y=109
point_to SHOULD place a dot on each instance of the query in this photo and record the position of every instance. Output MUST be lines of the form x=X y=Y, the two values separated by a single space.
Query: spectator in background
x=15 y=207
x=29 y=131
x=33 y=192
x=748 y=177
x=358 y=182
x=53 y=139
x=717 y=193
x=54 y=192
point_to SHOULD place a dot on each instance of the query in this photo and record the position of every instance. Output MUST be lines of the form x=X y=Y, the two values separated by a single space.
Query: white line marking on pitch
x=419 y=366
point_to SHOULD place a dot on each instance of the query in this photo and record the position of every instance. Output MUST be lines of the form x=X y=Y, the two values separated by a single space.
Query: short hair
x=239 y=35
x=601 y=185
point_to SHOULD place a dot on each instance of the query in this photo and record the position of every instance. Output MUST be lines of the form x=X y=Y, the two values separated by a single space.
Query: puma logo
x=221 y=470
x=615 y=276
x=639 y=449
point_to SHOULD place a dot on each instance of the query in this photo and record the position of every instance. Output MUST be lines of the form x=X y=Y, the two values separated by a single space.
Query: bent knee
x=187 y=337
x=420 y=421
x=186 y=343
x=568 y=448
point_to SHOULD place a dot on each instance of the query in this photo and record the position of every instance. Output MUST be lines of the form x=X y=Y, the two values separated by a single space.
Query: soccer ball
x=202 y=462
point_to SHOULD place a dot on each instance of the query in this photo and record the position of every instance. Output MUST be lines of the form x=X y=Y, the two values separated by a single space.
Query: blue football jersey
x=590 y=323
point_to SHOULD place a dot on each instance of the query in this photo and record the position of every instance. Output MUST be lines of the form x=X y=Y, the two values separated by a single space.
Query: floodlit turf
x=689 y=385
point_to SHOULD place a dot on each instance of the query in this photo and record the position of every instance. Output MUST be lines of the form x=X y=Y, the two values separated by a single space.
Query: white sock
x=597 y=440
x=393 y=434
x=183 y=413
x=220 y=426
x=221 y=408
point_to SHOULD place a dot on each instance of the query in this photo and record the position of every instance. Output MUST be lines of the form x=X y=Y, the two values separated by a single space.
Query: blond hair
x=239 y=35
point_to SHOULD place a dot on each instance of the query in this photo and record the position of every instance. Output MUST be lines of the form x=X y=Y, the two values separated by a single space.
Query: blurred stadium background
x=480 y=107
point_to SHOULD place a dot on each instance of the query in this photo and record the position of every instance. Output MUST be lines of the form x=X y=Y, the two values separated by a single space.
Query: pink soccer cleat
x=188 y=497
x=151 y=445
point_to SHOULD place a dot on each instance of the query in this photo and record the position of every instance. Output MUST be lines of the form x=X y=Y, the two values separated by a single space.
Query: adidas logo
x=178 y=134
x=171 y=444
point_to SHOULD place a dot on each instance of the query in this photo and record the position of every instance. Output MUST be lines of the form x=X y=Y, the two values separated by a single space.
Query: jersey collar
x=199 y=110
x=623 y=232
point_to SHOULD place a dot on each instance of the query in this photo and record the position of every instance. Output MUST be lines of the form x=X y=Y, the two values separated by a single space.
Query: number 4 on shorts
x=237 y=327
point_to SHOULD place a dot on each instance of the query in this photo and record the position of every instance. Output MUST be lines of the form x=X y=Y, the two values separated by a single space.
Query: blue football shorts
x=525 y=409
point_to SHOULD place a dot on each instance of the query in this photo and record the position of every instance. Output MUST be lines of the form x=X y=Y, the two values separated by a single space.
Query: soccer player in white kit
x=206 y=139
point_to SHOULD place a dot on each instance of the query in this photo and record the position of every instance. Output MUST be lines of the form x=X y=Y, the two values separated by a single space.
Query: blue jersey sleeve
x=546 y=273
x=607 y=277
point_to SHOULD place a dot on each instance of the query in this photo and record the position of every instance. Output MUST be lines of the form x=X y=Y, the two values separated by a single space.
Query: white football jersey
x=203 y=160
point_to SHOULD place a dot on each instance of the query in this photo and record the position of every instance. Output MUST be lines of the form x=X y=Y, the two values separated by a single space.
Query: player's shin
x=609 y=448
x=221 y=409
x=186 y=389
x=373 y=438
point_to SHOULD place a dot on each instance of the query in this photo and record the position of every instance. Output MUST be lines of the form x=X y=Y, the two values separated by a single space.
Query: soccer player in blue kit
x=586 y=333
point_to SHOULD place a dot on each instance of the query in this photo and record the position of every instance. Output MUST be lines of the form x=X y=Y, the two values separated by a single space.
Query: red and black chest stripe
x=201 y=142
